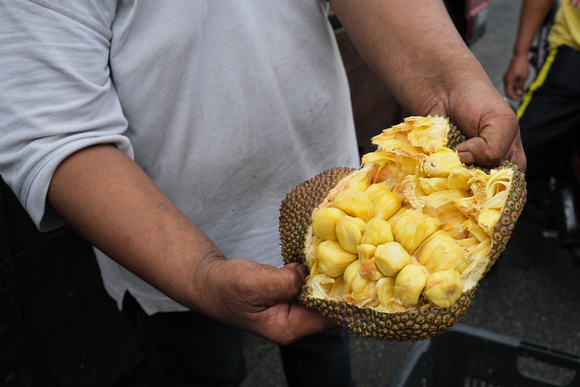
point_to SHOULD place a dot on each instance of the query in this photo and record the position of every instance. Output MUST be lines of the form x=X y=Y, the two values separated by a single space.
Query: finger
x=517 y=155
x=519 y=88
x=291 y=322
x=509 y=87
x=477 y=150
x=514 y=90
x=270 y=286
x=298 y=267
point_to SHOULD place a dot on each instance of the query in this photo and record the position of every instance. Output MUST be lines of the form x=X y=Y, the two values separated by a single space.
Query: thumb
x=295 y=274
x=477 y=150
x=272 y=285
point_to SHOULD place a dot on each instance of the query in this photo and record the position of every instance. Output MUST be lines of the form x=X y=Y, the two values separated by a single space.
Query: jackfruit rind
x=412 y=325
x=363 y=313
x=296 y=211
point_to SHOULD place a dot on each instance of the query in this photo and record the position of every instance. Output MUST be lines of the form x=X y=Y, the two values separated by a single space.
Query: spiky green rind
x=296 y=211
x=454 y=136
x=412 y=325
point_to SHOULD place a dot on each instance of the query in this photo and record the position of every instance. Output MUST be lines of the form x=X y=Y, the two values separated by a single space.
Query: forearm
x=532 y=16
x=415 y=49
x=110 y=201
x=413 y=46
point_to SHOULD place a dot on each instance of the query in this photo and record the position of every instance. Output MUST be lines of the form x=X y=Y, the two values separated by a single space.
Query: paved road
x=494 y=49
x=531 y=294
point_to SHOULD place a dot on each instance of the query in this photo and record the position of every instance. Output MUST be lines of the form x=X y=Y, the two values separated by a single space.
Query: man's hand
x=488 y=121
x=515 y=77
x=103 y=195
x=416 y=50
x=257 y=298
x=532 y=16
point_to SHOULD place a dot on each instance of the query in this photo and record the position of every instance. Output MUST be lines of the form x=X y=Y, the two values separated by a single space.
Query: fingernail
x=466 y=157
x=302 y=271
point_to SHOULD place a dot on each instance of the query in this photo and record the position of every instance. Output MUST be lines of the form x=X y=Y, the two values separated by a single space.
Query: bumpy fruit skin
x=412 y=325
x=296 y=211
x=416 y=323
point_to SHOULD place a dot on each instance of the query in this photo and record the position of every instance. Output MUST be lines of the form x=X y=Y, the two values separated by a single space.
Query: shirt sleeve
x=57 y=92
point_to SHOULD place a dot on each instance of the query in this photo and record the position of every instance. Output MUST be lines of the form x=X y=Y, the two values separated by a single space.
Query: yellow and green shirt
x=566 y=28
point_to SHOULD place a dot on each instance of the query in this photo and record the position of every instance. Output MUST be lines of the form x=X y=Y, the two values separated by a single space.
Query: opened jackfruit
x=396 y=248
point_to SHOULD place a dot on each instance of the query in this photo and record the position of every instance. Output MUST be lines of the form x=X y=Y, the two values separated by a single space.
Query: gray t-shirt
x=226 y=105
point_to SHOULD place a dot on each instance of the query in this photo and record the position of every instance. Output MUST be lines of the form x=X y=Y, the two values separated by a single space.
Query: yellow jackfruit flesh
x=391 y=257
x=396 y=248
x=441 y=163
x=376 y=190
x=332 y=259
x=429 y=133
x=358 y=287
x=349 y=233
x=458 y=179
x=412 y=228
x=360 y=183
x=377 y=232
x=443 y=288
x=441 y=252
x=386 y=204
x=354 y=203
x=386 y=291
x=409 y=284
x=433 y=184
x=365 y=252
x=370 y=270
x=324 y=222
x=350 y=274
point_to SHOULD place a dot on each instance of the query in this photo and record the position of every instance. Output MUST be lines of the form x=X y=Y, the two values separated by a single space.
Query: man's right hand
x=515 y=77
x=257 y=298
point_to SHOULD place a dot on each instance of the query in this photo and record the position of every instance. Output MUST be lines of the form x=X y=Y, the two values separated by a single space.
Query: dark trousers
x=549 y=118
x=189 y=349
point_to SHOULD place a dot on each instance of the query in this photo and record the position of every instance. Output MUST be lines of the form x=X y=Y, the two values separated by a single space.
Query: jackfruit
x=443 y=288
x=441 y=252
x=332 y=259
x=385 y=204
x=354 y=203
x=396 y=248
x=458 y=179
x=412 y=228
x=409 y=284
x=441 y=163
x=385 y=288
x=324 y=222
x=349 y=233
x=433 y=184
x=377 y=232
x=391 y=257
x=365 y=252
x=370 y=270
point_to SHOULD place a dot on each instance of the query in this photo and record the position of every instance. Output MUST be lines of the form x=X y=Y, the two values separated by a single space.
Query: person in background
x=549 y=110
x=168 y=133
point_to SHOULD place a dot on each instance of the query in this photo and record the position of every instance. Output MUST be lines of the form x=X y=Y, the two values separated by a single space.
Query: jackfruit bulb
x=396 y=248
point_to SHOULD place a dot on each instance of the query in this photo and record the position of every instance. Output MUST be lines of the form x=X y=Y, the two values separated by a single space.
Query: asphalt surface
x=531 y=293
